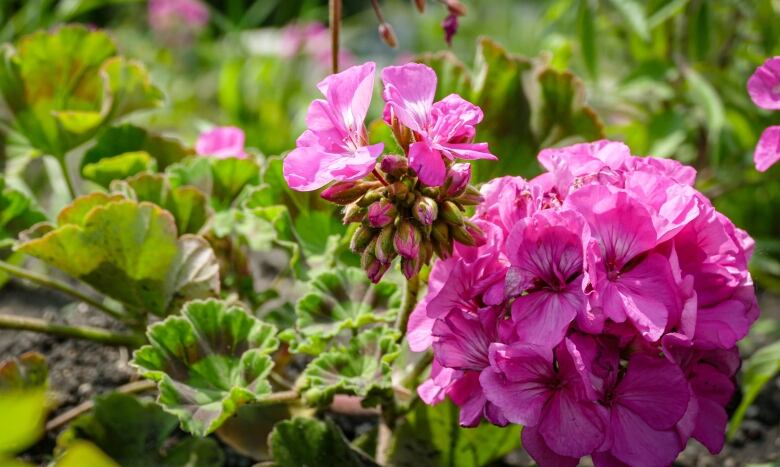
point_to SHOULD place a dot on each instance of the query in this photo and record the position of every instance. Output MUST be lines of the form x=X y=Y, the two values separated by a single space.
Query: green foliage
x=23 y=383
x=361 y=368
x=306 y=441
x=17 y=213
x=527 y=104
x=135 y=433
x=208 y=362
x=127 y=250
x=758 y=370
x=64 y=86
x=222 y=179
x=431 y=435
x=338 y=300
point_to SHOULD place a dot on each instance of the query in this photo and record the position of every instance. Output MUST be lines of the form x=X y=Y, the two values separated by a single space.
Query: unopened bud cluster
x=399 y=216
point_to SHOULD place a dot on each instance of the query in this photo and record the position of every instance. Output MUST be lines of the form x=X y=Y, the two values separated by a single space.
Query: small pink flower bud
x=471 y=197
x=458 y=178
x=425 y=210
x=420 y=4
x=450 y=26
x=442 y=243
x=394 y=165
x=388 y=35
x=451 y=213
x=385 y=250
x=381 y=213
x=461 y=235
x=475 y=233
x=369 y=198
x=407 y=240
x=346 y=192
x=360 y=240
x=353 y=213
x=374 y=268
x=455 y=7
x=411 y=266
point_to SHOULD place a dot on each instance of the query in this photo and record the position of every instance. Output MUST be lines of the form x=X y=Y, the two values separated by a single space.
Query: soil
x=79 y=370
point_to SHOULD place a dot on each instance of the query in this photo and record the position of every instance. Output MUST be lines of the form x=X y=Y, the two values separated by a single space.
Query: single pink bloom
x=768 y=149
x=222 y=142
x=444 y=129
x=335 y=145
x=764 y=84
x=546 y=253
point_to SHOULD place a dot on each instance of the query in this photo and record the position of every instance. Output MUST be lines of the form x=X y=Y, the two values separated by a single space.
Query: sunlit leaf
x=17 y=213
x=127 y=164
x=431 y=435
x=307 y=441
x=223 y=179
x=208 y=362
x=128 y=250
x=82 y=453
x=23 y=383
x=361 y=368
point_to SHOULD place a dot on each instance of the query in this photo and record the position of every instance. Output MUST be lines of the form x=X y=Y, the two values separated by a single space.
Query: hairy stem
x=379 y=177
x=335 y=30
x=23 y=323
x=409 y=302
x=48 y=282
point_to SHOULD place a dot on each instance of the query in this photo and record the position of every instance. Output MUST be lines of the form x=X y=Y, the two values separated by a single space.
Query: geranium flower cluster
x=409 y=205
x=764 y=89
x=601 y=313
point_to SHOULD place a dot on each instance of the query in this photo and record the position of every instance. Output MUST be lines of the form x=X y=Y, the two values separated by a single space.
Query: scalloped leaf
x=188 y=205
x=127 y=164
x=135 y=433
x=527 y=105
x=23 y=383
x=17 y=213
x=222 y=179
x=129 y=138
x=337 y=300
x=208 y=362
x=127 y=250
x=361 y=368
x=311 y=442
x=63 y=86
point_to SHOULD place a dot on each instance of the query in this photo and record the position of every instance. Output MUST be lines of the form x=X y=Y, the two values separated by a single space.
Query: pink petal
x=221 y=142
x=637 y=444
x=543 y=317
x=768 y=149
x=427 y=163
x=711 y=424
x=304 y=168
x=349 y=93
x=420 y=328
x=468 y=151
x=409 y=91
x=571 y=428
x=541 y=453
x=764 y=85
x=606 y=459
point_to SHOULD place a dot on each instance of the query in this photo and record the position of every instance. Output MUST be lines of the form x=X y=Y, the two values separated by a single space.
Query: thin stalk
x=409 y=302
x=334 y=11
x=66 y=175
x=23 y=323
x=379 y=177
x=378 y=11
x=62 y=287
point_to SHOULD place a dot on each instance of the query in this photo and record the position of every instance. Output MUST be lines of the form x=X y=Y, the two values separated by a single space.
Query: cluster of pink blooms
x=764 y=89
x=602 y=312
x=221 y=142
x=178 y=20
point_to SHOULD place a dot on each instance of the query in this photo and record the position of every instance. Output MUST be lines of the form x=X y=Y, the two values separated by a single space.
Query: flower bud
x=425 y=210
x=346 y=192
x=411 y=266
x=420 y=4
x=398 y=190
x=451 y=213
x=450 y=27
x=440 y=235
x=394 y=165
x=353 y=213
x=455 y=7
x=461 y=235
x=407 y=240
x=388 y=35
x=384 y=249
x=375 y=270
x=471 y=197
x=360 y=240
x=381 y=213
x=458 y=178
x=370 y=197
x=476 y=233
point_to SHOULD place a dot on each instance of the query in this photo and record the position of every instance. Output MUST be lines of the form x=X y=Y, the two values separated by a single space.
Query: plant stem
x=409 y=302
x=23 y=323
x=281 y=397
x=62 y=287
x=379 y=177
x=66 y=175
x=335 y=29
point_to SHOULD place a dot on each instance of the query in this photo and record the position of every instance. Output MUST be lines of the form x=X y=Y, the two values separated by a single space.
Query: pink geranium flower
x=443 y=130
x=221 y=142
x=335 y=145
x=764 y=88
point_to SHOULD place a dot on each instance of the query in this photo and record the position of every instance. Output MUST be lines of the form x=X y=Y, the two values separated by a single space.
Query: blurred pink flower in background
x=222 y=142
x=764 y=88
x=312 y=39
x=177 y=20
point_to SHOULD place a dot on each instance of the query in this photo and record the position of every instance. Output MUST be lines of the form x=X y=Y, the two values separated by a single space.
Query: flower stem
x=335 y=29
x=62 y=287
x=23 y=323
x=379 y=177
x=408 y=304
x=66 y=175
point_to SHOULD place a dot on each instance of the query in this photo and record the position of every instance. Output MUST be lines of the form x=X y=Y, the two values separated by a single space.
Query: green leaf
x=128 y=138
x=82 y=453
x=757 y=371
x=135 y=433
x=63 y=86
x=127 y=250
x=431 y=435
x=310 y=442
x=189 y=206
x=208 y=362
x=107 y=169
x=634 y=14
x=361 y=368
x=23 y=383
x=17 y=213
x=231 y=175
x=586 y=24
x=337 y=300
